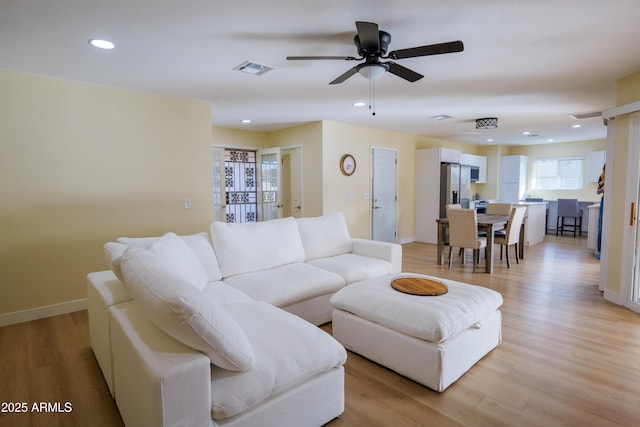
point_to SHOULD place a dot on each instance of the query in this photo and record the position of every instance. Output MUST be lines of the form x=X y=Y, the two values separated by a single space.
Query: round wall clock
x=348 y=164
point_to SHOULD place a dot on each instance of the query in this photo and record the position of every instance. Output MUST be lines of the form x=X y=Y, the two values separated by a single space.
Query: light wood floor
x=568 y=357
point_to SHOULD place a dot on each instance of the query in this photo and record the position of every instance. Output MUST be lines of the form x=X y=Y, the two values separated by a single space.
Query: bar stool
x=568 y=208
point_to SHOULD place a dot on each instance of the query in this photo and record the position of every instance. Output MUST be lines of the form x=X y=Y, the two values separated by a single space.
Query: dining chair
x=512 y=233
x=463 y=233
x=568 y=208
x=452 y=206
x=498 y=208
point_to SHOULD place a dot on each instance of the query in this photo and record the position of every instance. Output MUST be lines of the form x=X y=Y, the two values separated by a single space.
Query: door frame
x=301 y=183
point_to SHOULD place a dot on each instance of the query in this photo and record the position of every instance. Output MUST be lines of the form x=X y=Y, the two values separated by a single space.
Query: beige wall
x=83 y=164
x=238 y=138
x=309 y=136
x=347 y=193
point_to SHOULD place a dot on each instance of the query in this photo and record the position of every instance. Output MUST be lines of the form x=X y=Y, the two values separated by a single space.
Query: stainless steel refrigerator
x=455 y=186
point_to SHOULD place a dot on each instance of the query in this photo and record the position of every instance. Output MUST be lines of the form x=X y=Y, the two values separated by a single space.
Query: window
x=558 y=174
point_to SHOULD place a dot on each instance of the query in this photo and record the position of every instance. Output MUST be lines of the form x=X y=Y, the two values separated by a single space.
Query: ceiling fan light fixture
x=487 y=123
x=372 y=71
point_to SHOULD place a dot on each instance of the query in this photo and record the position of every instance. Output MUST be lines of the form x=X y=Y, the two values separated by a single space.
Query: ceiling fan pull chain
x=372 y=97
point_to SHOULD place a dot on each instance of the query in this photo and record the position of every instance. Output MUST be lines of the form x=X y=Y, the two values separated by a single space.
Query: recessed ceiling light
x=550 y=140
x=441 y=117
x=245 y=121
x=526 y=132
x=359 y=104
x=576 y=126
x=490 y=140
x=101 y=44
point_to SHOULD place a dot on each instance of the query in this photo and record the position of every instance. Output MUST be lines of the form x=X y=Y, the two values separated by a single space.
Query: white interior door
x=631 y=239
x=384 y=194
x=219 y=196
x=269 y=193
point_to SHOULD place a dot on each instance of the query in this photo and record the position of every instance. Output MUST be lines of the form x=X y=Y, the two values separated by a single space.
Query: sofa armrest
x=103 y=291
x=391 y=252
x=157 y=380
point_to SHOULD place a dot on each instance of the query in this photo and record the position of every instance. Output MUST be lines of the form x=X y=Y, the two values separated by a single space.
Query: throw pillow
x=177 y=256
x=183 y=312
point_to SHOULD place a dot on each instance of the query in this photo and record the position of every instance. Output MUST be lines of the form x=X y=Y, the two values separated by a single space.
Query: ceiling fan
x=372 y=45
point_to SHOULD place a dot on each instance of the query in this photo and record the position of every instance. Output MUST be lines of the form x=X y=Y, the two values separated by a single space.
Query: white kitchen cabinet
x=479 y=161
x=482 y=168
x=448 y=155
x=534 y=229
x=513 y=178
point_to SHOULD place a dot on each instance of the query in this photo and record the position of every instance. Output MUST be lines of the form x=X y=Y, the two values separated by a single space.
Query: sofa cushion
x=353 y=268
x=287 y=284
x=288 y=351
x=324 y=236
x=183 y=312
x=253 y=246
x=199 y=243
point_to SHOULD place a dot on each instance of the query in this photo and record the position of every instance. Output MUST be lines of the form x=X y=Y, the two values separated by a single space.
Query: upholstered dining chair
x=452 y=206
x=463 y=233
x=568 y=208
x=512 y=233
x=499 y=209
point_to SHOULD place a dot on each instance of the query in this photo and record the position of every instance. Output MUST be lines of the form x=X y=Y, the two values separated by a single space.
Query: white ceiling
x=529 y=63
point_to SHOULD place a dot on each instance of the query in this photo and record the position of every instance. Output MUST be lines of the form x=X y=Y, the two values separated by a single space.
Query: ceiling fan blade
x=309 y=58
x=403 y=72
x=369 y=36
x=350 y=72
x=433 y=49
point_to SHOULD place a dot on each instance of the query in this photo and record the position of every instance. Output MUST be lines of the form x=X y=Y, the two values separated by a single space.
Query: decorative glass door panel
x=241 y=192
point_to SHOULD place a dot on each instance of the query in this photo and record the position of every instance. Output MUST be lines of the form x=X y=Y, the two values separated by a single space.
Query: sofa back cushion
x=166 y=296
x=254 y=246
x=199 y=243
x=324 y=236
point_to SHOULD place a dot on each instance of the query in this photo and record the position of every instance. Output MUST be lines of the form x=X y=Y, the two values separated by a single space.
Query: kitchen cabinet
x=478 y=161
x=534 y=229
x=513 y=178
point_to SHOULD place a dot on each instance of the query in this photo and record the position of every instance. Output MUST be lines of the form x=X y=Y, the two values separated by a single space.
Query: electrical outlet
x=187 y=203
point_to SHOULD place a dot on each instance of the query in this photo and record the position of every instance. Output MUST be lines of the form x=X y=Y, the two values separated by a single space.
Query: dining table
x=489 y=223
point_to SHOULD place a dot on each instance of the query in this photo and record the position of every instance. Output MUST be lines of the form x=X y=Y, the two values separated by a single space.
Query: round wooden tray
x=419 y=286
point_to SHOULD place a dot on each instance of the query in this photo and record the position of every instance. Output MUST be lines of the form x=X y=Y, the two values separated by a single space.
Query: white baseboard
x=407 y=240
x=42 y=312
x=613 y=296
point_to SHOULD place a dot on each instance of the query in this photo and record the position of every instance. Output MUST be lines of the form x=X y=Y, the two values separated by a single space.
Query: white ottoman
x=431 y=339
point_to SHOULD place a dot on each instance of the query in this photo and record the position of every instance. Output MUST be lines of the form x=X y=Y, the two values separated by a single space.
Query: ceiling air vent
x=591 y=115
x=253 y=68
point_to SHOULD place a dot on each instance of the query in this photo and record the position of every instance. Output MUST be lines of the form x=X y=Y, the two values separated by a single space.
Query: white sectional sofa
x=218 y=328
